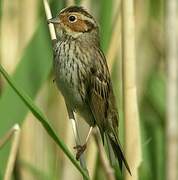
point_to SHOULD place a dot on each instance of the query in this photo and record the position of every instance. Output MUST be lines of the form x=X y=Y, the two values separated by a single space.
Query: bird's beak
x=54 y=20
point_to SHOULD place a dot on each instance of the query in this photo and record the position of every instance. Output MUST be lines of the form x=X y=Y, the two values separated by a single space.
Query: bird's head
x=74 y=21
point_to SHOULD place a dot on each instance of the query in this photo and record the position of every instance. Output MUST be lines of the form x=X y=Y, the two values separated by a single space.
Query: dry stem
x=172 y=89
x=114 y=44
x=48 y=16
x=103 y=158
x=132 y=129
x=15 y=133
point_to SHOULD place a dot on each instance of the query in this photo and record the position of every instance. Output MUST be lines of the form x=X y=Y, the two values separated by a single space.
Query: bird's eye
x=72 y=18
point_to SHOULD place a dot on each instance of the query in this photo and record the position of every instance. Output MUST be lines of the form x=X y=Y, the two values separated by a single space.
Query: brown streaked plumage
x=82 y=75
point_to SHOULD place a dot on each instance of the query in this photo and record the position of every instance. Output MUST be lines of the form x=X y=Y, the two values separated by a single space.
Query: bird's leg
x=76 y=133
x=81 y=148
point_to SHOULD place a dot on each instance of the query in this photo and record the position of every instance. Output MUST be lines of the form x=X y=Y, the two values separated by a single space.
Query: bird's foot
x=80 y=150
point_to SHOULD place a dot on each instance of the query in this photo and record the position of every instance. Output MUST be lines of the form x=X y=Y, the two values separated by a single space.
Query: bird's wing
x=100 y=95
x=101 y=101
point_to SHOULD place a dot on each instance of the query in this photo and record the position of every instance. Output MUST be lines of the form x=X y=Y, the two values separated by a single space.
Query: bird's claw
x=80 y=150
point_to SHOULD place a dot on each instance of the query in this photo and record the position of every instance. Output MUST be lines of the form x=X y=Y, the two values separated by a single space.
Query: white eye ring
x=72 y=18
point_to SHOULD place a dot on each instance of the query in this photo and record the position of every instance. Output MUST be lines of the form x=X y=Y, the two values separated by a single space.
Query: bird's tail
x=114 y=148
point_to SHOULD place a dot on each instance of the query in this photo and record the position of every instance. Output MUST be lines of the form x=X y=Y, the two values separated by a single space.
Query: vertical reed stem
x=109 y=172
x=132 y=129
x=13 y=152
x=172 y=91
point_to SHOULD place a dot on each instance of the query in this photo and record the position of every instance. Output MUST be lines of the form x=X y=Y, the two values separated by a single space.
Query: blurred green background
x=26 y=54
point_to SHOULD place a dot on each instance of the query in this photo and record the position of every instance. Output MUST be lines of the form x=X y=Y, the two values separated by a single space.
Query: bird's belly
x=70 y=79
x=68 y=85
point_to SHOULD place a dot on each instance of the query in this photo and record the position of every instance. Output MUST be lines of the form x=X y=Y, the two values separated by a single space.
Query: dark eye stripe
x=90 y=25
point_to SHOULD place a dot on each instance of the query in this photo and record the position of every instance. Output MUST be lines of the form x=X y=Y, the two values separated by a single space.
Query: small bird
x=82 y=76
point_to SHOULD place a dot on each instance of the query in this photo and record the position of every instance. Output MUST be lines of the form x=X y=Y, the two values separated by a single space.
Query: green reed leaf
x=43 y=119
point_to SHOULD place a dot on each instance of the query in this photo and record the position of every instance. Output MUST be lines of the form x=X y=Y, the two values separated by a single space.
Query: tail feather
x=118 y=152
x=111 y=153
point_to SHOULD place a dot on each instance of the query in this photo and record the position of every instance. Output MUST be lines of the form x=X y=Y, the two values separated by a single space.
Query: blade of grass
x=34 y=66
x=34 y=171
x=43 y=119
x=106 y=22
x=152 y=111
